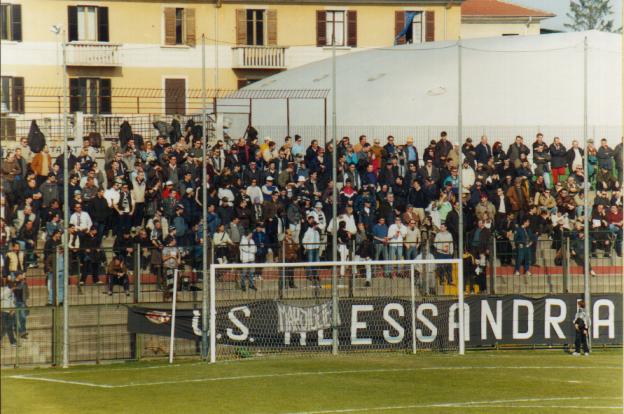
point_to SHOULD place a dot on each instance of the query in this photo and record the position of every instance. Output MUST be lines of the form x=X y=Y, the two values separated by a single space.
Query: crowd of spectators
x=272 y=202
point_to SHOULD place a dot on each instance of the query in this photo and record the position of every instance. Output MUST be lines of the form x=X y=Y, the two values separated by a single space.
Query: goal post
x=259 y=309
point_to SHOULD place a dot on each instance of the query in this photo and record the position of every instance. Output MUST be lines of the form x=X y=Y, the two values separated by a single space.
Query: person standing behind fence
x=20 y=293
x=7 y=306
x=311 y=244
x=291 y=255
x=581 y=330
x=523 y=241
x=247 y=249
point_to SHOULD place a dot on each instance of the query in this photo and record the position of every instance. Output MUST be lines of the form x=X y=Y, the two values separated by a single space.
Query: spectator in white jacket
x=247 y=250
x=396 y=236
x=254 y=192
x=468 y=175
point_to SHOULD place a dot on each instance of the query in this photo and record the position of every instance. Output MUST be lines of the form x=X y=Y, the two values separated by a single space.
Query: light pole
x=335 y=312
x=65 y=211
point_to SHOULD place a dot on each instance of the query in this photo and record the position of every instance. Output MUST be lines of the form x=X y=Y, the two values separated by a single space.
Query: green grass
x=506 y=382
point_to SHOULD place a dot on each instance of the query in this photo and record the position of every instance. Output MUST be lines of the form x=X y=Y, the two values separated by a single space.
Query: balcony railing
x=92 y=54
x=259 y=57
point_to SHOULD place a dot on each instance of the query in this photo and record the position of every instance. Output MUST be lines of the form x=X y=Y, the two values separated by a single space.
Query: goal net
x=335 y=307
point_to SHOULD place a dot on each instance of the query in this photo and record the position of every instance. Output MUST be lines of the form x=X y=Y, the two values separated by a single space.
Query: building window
x=11 y=21
x=415 y=34
x=179 y=26
x=255 y=27
x=90 y=95
x=12 y=92
x=335 y=26
x=87 y=24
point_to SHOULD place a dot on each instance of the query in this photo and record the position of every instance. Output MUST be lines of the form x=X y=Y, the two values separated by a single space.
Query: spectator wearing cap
x=268 y=188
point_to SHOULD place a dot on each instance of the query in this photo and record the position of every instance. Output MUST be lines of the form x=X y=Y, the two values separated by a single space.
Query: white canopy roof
x=512 y=82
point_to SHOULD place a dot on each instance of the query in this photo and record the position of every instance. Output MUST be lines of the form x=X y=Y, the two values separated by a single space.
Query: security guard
x=581 y=330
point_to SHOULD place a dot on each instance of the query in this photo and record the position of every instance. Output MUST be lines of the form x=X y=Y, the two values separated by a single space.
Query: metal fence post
x=137 y=273
x=493 y=265
x=353 y=270
x=565 y=258
x=98 y=334
x=281 y=284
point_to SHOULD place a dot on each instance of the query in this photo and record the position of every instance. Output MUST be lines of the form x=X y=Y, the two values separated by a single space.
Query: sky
x=560 y=8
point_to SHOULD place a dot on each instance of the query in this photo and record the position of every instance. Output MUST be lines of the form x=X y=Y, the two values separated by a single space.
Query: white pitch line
x=300 y=374
x=101 y=368
x=86 y=384
x=469 y=404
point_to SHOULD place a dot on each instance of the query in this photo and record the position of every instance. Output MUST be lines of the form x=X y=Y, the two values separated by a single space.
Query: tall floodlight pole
x=65 y=212
x=460 y=190
x=335 y=312
x=204 y=209
x=587 y=257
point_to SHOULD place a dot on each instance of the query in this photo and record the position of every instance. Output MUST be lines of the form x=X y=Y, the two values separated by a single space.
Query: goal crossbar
x=411 y=263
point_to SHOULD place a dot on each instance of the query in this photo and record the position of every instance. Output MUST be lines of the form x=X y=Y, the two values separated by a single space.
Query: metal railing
x=92 y=54
x=259 y=57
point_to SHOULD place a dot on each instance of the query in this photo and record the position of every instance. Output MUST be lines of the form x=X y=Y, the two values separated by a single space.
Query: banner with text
x=386 y=322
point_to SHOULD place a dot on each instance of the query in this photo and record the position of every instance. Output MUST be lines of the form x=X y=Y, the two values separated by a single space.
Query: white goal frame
x=410 y=263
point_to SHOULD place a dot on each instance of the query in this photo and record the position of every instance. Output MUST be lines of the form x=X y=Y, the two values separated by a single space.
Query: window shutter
x=189 y=21
x=429 y=26
x=241 y=27
x=352 y=28
x=102 y=22
x=18 y=95
x=271 y=27
x=105 y=96
x=399 y=23
x=16 y=22
x=321 y=30
x=170 y=26
x=72 y=23
x=74 y=95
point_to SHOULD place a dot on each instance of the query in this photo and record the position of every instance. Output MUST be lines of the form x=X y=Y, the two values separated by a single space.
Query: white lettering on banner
x=355 y=324
x=302 y=338
x=244 y=331
x=453 y=324
x=195 y=322
x=425 y=321
x=609 y=322
x=393 y=323
x=554 y=321
x=322 y=341
x=495 y=323
x=304 y=319
x=517 y=304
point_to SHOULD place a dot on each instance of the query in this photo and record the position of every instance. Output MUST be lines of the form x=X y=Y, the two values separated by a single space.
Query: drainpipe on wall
x=526 y=30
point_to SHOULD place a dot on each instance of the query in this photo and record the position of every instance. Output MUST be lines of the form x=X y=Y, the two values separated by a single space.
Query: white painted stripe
x=304 y=373
x=101 y=368
x=475 y=404
x=86 y=384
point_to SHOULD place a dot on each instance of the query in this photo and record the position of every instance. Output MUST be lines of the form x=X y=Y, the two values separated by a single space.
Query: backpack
x=36 y=139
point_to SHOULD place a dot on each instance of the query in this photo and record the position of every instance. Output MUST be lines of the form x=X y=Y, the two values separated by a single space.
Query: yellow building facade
x=115 y=50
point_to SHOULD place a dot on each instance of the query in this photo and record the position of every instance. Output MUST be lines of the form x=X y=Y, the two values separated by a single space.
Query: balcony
x=92 y=54
x=259 y=57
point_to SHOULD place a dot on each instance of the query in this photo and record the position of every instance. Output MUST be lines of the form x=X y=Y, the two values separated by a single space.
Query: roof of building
x=498 y=8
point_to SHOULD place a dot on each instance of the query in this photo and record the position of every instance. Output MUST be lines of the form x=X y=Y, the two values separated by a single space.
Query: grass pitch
x=506 y=382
